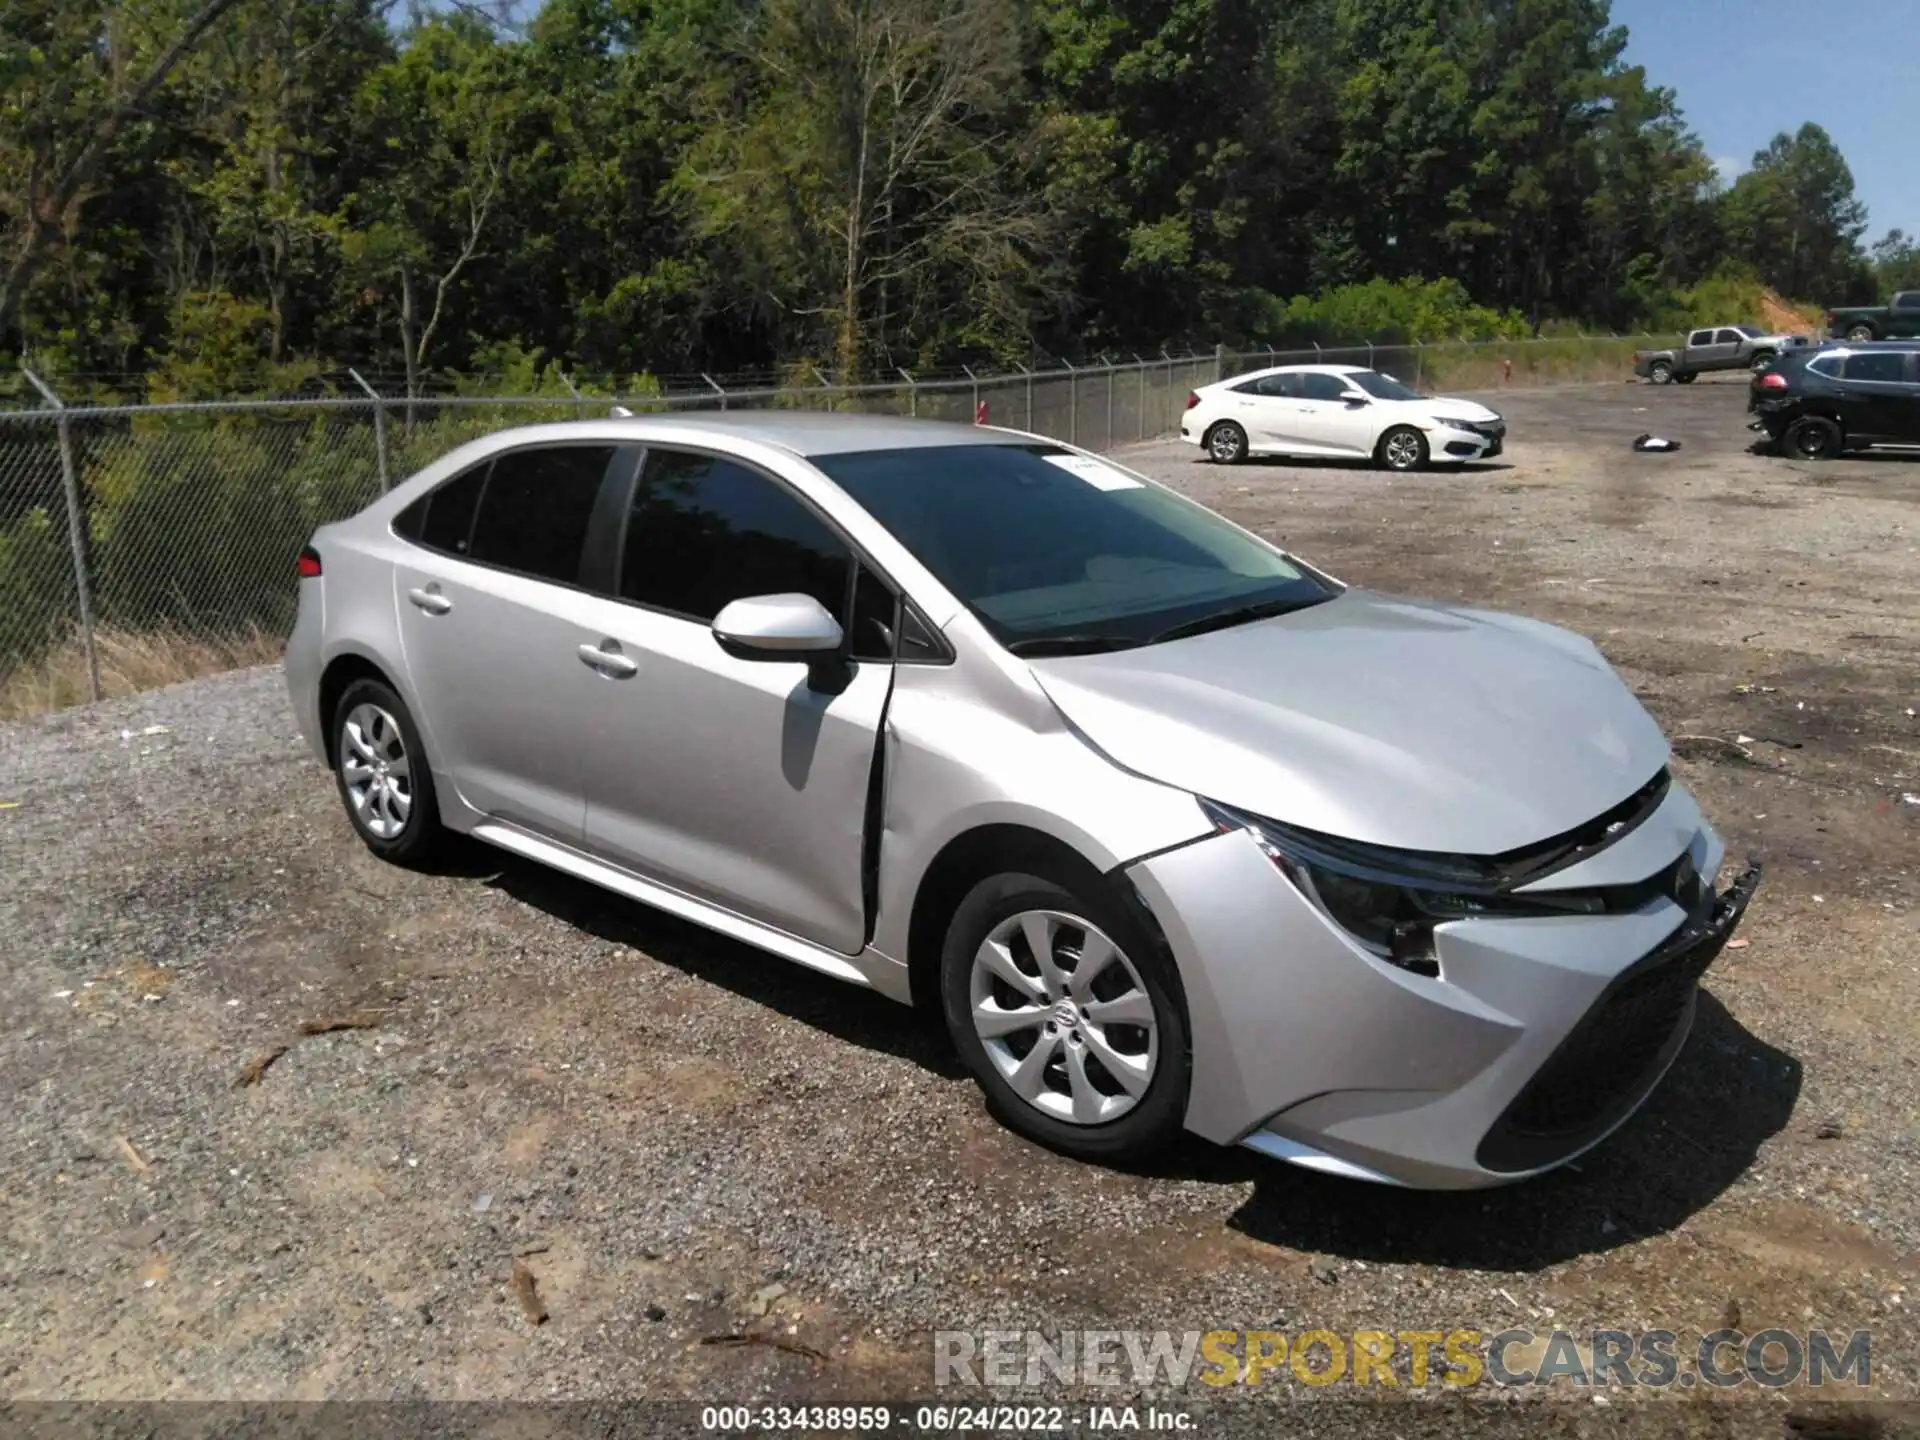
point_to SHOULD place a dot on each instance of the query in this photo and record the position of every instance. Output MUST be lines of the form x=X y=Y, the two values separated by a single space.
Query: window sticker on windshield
x=1096 y=473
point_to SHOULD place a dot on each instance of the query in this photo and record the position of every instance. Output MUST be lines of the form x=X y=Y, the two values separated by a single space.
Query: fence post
x=77 y=536
x=1029 y=374
x=566 y=381
x=1419 y=363
x=1073 y=403
x=1219 y=363
x=1370 y=364
x=717 y=388
x=1316 y=350
x=913 y=392
x=975 y=380
x=379 y=428
x=1140 y=418
x=1109 y=364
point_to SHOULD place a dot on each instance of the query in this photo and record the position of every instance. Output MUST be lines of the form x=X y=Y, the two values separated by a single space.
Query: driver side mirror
x=1355 y=399
x=777 y=627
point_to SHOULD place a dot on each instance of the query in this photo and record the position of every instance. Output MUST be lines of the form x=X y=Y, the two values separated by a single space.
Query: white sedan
x=1341 y=411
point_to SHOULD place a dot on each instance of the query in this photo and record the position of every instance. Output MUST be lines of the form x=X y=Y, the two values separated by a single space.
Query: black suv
x=1819 y=403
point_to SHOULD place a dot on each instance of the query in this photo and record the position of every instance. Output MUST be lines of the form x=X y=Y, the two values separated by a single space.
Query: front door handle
x=431 y=601
x=609 y=662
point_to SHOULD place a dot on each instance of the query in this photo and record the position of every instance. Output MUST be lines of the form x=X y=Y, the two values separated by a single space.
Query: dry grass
x=129 y=662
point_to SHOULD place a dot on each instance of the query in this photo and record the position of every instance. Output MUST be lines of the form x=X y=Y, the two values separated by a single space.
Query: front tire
x=1070 y=1015
x=1402 y=449
x=1227 y=443
x=1814 y=437
x=381 y=769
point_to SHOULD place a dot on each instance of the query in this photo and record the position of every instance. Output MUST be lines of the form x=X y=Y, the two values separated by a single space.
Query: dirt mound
x=1779 y=316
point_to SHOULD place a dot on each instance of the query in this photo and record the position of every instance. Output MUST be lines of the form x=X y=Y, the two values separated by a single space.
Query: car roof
x=1296 y=370
x=813 y=432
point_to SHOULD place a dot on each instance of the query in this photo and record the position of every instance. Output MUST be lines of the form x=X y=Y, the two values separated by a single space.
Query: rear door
x=1262 y=412
x=1698 y=351
x=744 y=782
x=1878 y=396
x=490 y=607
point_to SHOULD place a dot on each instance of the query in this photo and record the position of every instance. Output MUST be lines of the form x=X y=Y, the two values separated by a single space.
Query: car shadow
x=1726 y=1095
x=847 y=1012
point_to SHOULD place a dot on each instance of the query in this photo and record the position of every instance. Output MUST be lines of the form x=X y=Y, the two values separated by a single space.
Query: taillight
x=1773 y=380
x=1193 y=398
x=309 y=563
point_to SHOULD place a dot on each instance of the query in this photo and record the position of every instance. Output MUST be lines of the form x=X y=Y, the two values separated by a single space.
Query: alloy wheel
x=1064 y=1017
x=1403 y=450
x=1226 y=443
x=375 y=770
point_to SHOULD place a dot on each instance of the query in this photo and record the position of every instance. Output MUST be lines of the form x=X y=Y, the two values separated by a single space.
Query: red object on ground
x=980 y=413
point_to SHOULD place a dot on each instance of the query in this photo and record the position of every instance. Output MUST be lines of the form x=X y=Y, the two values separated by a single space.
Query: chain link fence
x=141 y=545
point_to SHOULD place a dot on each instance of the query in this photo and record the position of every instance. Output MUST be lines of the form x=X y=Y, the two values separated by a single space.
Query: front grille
x=1610 y=1058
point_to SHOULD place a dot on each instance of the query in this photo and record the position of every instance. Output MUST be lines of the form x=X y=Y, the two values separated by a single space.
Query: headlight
x=1390 y=900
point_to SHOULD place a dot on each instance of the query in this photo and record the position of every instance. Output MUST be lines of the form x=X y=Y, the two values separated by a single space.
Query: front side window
x=534 y=510
x=1055 y=551
x=1888 y=368
x=706 y=531
x=1383 y=387
x=1317 y=386
x=1728 y=337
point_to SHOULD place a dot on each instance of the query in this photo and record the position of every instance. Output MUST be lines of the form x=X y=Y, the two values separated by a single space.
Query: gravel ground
x=661 y=1127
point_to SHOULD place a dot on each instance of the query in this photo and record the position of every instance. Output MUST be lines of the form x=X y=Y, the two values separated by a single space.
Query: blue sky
x=1747 y=69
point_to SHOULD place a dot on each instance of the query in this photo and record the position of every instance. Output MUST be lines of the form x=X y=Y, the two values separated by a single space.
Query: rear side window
x=535 y=508
x=1888 y=367
x=448 y=524
x=705 y=531
x=1700 y=337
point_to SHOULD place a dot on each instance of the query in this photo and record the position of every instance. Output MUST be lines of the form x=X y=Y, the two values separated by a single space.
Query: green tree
x=1794 y=218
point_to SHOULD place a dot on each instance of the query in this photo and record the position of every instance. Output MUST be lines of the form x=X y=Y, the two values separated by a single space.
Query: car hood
x=1390 y=721
x=1452 y=407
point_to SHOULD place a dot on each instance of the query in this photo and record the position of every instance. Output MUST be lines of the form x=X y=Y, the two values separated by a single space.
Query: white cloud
x=1729 y=168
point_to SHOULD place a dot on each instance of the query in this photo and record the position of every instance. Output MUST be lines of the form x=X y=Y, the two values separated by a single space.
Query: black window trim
x=579 y=582
x=861 y=559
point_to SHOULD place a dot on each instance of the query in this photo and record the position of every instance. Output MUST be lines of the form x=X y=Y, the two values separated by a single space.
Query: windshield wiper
x=1085 y=643
x=1225 y=619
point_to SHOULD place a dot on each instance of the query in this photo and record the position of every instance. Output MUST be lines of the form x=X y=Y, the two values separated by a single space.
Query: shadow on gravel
x=844 y=1011
x=1337 y=462
x=1728 y=1093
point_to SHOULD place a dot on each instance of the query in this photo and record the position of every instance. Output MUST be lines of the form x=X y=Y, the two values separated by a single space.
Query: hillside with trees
x=215 y=196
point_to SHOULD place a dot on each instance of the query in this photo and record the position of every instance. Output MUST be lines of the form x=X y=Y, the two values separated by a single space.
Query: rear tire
x=1402 y=449
x=1860 y=332
x=1227 y=443
x=381 y=770
x=1101 y=1066
x=1761 y=360
x=1660 y=372
x=1685 y=378
x=1814 y=437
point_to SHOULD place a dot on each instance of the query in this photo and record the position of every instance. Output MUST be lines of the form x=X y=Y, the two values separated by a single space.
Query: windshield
x=1382 y=387
x=1057 y=551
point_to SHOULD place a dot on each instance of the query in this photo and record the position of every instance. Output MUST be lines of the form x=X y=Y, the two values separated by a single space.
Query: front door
x=489 y=606
x=1325 y=423
x=1880 y=401
x=744 y=782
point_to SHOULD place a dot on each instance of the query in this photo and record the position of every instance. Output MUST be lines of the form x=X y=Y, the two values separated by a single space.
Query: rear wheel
x=1860 y=332
x=381 y=768
x=1684 y=378
x=1761 y=360
x=1069 y=1013
x=1402 y=448
x=1660 y=372
x=1814 y=437
x=1227 y=443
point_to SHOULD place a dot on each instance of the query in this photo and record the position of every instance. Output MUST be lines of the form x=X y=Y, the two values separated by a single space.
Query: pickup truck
x=1725 y=347
x=1898 y=321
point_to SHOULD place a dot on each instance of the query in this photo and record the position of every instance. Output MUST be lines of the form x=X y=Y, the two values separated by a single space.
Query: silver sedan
x=1171 y=829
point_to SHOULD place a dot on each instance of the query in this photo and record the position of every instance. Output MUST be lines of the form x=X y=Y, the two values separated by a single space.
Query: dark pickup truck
x=1898 y=321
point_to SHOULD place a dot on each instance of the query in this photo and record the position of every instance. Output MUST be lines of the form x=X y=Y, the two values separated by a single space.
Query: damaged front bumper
x=1539 y=1036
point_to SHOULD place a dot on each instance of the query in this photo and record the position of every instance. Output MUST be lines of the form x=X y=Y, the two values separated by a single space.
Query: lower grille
x=1611 y=1057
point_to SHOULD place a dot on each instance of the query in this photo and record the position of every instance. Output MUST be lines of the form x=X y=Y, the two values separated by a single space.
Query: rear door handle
x=431 y=601
x=609 y=662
